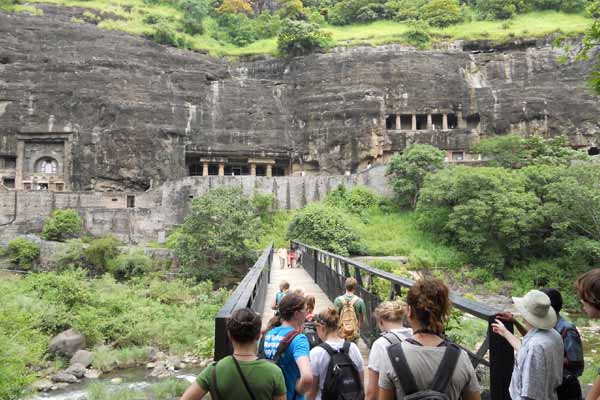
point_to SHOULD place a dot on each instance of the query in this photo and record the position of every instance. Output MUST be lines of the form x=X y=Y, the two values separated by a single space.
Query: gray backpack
x=441 y=380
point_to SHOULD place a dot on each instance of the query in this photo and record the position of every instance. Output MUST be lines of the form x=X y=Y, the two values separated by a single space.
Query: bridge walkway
x=299 y=278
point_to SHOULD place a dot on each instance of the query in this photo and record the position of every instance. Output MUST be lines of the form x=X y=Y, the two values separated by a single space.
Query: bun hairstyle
x=588 y=287
x=289 y=305
x=244 y=325
x=390 y=311
x=329 y=318
x=429 y=300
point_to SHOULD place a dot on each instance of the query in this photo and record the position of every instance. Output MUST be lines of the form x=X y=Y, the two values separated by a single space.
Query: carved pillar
x=429 y=122
x=269 y=170
x=20 y=164
x=414 y=122
x=445 y=122
x=204 y=169
x=461 y=121
x=221 y=169
x=398 y=122
x=253 y=169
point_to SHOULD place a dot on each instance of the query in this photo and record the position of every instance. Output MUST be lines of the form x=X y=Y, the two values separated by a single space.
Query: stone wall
x=155 y=213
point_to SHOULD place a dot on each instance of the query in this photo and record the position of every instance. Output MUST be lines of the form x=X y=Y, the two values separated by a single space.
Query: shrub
x=292 y=9
x=100 y=253
x=299 y=37
x=130 y=264
x=23 y=253
x=264 y=205
x=324 y=227
x=495 y=9
x=236 y=28
x=62 y=224
x=403 y=10
x=70 y=256
x=193 y=13
x=417 y=34
x=165 y=33
x=357 y=200
x=441 y=13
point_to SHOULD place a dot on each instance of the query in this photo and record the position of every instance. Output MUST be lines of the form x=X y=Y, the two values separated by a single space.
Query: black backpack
x=310 y=330
x=342 y=381
x=441 y=380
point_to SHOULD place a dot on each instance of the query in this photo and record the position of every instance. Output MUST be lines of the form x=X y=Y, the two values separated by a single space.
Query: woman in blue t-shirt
x=294 y=361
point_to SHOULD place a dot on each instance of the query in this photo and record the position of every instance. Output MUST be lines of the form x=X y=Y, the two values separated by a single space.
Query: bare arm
x=499 y=328
x=509 y=317
x=194 y=392
x=306 y=378
x=594 y=392
x=471 y=395
x=373 y=388
x=386 y=394
x=314 y=389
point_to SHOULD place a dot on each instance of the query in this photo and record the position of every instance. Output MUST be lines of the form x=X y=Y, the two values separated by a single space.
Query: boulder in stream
x=82 y=357
x=67 y=343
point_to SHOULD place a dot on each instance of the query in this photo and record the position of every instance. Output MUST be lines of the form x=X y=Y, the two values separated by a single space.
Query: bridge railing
x=330 y=271
x=250 y=293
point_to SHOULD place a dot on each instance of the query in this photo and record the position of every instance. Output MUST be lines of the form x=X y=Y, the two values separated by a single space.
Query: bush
x=496 y=9
x=23 y=253
x=69 y=257
x=264 y=205
x=324 y=227
x=131 y=264
x=441 y=13
x=356 y=201
x=193 y=13
x=417 y=35
x=165 y=33
x=100 y=253
x=403 y=10
x=62 y=224
x=299 y=37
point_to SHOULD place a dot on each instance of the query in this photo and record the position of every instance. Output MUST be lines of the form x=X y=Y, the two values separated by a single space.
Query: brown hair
x=588 y=287
x=310 y=303
x=328 y=318
x=289 y=305
x=429 y=299
x=284 y=285
x=351 y=284
x=244 y=325
x=392 y=311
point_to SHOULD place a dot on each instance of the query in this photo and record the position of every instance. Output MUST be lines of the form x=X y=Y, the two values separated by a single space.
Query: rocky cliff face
x=135 y=108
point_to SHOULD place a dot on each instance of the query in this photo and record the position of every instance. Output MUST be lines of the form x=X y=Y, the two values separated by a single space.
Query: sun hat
x=536 y=309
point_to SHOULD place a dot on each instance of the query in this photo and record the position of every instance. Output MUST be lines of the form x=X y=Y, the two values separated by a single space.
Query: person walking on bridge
x=242 y=375
x=433 y=361
x=538 y=369
x=352 y=311
x=289 y=348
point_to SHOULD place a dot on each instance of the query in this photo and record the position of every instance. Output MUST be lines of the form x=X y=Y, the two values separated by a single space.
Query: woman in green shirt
x=241 y=376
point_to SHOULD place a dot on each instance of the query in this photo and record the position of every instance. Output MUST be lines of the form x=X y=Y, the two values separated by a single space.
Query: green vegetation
x=23 y=253
x=176 y=316
x=165 y=390
x=63 y=224
x=299 y=37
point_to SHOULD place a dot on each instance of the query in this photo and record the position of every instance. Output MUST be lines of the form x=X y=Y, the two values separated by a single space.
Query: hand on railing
x=499 y=328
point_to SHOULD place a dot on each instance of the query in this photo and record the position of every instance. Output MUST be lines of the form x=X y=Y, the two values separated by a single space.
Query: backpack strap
x=391 y=337
x=284 y=344
x=398 y=359
x=446 y=369
x=327 y=348
x=239 y=369
x=346 y=348
x=214 y=390
x=354 y=300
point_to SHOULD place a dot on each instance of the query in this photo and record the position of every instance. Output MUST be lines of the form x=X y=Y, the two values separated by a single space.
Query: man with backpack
x=289 y=348
x=352 y=312
x=337 y=365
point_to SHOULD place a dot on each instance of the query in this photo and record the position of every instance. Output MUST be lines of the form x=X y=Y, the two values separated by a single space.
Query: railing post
x=346 y=270
x=502 y=361
x=316 y=263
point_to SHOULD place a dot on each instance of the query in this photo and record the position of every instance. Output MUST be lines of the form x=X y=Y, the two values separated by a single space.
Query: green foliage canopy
x=62 y=224
x=23 y=253
x=299 y=37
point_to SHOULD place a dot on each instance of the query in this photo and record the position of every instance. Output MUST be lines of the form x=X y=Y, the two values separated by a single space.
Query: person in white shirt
x=327 y=325
x=390 y=316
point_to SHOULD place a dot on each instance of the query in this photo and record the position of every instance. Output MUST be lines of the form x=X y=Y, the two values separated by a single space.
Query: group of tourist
x=417 y=362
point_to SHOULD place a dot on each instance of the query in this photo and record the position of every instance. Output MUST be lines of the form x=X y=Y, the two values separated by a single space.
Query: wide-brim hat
x=536 y=309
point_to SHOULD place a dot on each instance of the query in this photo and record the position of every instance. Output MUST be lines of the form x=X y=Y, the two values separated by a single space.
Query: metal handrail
x=329 y=270
x=250 y=293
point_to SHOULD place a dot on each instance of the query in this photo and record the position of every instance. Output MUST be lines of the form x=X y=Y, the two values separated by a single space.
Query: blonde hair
x=284 y=285
x=351 y=284
x=391 y=311
x=329 y=319
x=299 y=291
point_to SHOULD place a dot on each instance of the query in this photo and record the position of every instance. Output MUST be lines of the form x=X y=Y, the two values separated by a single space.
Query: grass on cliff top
x=130 y=18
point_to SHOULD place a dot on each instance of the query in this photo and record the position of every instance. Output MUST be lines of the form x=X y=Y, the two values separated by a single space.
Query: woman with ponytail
x=240 y=376
x=427 y=312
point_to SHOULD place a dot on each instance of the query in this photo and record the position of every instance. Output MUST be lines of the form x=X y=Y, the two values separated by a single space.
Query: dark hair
x=289 y=305
x=244 y=325
x=328 y=318
x=556 y=300
x=310 y=302
x=429 y=299
x=588 y=287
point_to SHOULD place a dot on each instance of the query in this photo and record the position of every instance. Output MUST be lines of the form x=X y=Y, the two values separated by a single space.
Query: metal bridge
x=322 y=274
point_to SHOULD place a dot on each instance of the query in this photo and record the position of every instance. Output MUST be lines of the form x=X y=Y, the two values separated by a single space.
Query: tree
x=217 y=233
x=590 y=41
x=407 y=171
x=193 y=13
x=235 y=7
x=498 y=9
x=325 y=227
x=441 y=13
x=299 y=37
x=63 y=224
